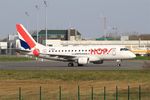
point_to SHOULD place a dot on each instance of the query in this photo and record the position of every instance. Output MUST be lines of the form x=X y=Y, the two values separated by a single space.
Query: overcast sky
x=84 y=15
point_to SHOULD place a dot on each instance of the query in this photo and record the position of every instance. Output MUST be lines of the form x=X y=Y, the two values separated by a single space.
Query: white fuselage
x=93 y=52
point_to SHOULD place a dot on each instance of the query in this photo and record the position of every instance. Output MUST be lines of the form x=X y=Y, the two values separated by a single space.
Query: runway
x=53 y=65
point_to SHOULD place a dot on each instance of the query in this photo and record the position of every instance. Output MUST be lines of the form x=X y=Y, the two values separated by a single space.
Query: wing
x=59 y=57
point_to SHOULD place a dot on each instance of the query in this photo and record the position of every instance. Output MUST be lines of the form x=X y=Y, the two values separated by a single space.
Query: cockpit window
x=124 y=49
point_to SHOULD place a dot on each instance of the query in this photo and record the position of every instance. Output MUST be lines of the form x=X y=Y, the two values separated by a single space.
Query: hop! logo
x=100 y=51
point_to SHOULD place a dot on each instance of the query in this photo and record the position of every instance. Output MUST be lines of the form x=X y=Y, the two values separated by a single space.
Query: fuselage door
x=113 y=51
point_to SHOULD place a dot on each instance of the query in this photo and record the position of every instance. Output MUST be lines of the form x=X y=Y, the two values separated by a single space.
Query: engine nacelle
x=98 y=62
x=83 y=60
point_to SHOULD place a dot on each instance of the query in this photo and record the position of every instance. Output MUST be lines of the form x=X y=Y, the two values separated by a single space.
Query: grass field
x=50 y=80
x=142 y=58
x=14 y=58
x=68 y=75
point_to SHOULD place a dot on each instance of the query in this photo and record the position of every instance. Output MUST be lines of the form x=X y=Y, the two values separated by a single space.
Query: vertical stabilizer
x=26 y=40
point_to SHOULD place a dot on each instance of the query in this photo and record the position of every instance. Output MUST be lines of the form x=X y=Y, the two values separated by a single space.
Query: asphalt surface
x=53 y=65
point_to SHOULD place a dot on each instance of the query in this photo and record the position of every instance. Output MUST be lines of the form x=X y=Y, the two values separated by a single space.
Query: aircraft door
x=113 y=51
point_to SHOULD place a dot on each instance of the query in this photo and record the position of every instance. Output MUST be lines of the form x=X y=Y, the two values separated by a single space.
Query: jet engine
x=83 y=60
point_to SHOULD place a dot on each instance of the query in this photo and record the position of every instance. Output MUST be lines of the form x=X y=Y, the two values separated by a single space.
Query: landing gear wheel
x=118 y=65
x=70 y=64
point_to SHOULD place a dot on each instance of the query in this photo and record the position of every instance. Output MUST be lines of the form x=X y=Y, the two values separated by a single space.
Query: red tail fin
x=25 y=36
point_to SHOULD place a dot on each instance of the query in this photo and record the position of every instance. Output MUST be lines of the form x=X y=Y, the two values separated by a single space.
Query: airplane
x=141 y=51
x=80 y=54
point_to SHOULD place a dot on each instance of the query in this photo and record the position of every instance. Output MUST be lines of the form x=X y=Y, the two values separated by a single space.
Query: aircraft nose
x=133 y=55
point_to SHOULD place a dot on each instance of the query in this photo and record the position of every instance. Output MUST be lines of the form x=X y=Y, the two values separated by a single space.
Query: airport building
x=3 y=48
x=68 y=35
x=8 y=45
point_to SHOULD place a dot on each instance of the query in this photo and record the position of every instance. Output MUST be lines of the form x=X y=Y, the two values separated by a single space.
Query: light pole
x=45 y=3
x=27 y=14
x=105 y=27
x=37 y=35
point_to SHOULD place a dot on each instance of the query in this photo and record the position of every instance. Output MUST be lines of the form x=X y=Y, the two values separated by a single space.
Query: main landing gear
x=71 y=64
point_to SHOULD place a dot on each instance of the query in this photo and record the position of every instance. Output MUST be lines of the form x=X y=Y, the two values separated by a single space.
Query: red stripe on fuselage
x=25 y=36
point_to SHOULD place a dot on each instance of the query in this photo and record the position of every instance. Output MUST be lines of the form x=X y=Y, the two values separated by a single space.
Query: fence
x=128 y=94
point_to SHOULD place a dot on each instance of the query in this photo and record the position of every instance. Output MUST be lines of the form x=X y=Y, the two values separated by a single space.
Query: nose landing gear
x=118 y=63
